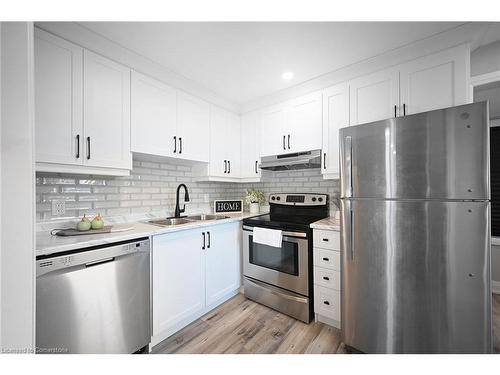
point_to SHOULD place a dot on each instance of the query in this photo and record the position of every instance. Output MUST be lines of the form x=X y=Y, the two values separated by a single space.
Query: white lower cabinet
x=222 y=261
x=327 y=276
x=193 y=271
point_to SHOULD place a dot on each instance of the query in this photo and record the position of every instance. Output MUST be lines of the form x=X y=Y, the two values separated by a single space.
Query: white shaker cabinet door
x=335 y=117
x=193 y=128
x=219 y=127
x=58 y=100
x=304 y=123
x=178 y=278
x=106 y=113
x=435 y=81
x=233 y=146
x=250 y=145
x=223 y=259
x=272 y=131
x=374 y=97
x=153 y=116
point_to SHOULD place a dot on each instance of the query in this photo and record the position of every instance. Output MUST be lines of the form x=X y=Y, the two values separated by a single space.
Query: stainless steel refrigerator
x=415 y=233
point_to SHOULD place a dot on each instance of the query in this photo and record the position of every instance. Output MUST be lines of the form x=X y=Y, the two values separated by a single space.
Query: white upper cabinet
x=223 y=258
x=303 y=123
x=272 y=130
x=374 y=97
x=250 y=145
x=193 y=128
x=335 y=117
x=233 y=146
x=154 y=116
x=292 y=126
x=58 y=100
x=106 y=87
x=435 y=81
x=224 y=144
x=219 y=126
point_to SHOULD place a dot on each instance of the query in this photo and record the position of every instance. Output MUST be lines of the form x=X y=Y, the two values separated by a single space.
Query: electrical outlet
x=58 y=207
x=206 y=198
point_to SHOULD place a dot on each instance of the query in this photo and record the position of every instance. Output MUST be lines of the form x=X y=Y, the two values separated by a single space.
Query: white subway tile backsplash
x=151 y=187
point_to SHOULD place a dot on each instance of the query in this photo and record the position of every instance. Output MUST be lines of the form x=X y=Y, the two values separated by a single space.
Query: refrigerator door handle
x=349 y=230
x=348 y=161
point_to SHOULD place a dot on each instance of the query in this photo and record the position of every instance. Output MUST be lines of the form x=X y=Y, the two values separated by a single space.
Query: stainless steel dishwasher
x=96 y=300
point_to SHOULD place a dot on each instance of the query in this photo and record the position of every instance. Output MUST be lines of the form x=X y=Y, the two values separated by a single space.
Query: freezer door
x=416 y=276
x=442 y=154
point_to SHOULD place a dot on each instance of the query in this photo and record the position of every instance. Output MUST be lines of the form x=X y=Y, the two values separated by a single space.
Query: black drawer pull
x=325 y=239
x=326 y=303
x=326 y=278
x=326 y=259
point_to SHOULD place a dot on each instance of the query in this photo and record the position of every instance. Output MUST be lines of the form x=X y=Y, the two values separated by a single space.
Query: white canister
x=254 y=208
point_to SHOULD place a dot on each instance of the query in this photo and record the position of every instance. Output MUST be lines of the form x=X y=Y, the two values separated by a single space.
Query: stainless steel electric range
x=281 y=277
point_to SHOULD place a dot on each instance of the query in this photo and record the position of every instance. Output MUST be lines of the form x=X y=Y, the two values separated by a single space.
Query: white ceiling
x=244 y=61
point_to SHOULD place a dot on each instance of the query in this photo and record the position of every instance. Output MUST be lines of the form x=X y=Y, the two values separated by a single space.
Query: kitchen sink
x=207 y=217
x=169 y=222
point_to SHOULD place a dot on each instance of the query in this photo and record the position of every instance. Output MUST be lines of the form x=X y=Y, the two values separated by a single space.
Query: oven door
x=285 y=267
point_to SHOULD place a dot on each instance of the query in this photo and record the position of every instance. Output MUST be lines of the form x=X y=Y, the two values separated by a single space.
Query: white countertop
x=329 y=223
x=49 y=244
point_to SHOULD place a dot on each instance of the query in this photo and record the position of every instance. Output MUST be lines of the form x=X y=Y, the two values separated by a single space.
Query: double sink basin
x=185 y=220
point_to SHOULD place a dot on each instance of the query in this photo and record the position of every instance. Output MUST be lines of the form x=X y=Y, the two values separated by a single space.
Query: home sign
x=228 y=206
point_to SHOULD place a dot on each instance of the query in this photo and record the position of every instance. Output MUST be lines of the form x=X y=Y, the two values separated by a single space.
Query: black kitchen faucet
x=179 y=210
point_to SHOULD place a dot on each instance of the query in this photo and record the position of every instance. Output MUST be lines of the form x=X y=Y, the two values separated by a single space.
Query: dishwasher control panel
x=91 y=256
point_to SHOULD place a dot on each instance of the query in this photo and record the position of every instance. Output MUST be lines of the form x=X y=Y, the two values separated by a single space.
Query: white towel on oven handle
x=266 y=236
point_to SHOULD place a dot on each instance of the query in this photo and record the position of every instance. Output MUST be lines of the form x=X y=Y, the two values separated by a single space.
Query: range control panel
x=306 y=199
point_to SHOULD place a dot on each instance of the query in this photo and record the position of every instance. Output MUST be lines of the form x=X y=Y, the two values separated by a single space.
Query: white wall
x=17 y=187
x=485 y=59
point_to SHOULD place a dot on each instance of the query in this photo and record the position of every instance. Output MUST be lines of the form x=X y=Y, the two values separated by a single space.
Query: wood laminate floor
x=243 y=326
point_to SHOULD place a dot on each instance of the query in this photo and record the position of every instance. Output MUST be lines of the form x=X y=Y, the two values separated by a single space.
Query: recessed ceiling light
x=287 y=76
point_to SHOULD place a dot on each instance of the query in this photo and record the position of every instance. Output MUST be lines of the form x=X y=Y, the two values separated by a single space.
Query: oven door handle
x=283 y=233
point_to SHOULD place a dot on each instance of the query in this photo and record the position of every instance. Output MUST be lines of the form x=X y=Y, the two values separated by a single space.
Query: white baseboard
x=495 y=287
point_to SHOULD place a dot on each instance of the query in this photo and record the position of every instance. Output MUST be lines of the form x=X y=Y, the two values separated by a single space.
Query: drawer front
x=327 y=278
x=326 y=239
x=327 y=302
x=327 y=259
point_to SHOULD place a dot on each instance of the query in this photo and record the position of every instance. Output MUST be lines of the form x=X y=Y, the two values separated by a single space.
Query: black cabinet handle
x=284 y=147
x=180 y=145
x=326 y=303
x=175 y=144
x=325 y=239
x=88 y=148
x=326 y=259
x=208 y=235
x=324 y=160
x=404 y=109
x=229 y=166
x=326 y=278
x=395 y=107
x=78 y=146
x=289 y=141
x=256 y=167
x=225 y=166
x=203 y=247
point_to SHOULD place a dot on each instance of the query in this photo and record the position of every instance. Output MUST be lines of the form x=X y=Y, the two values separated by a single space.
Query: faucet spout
x=179 y=210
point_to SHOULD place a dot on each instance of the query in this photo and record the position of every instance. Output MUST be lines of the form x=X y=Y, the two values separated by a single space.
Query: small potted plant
x=254 y=198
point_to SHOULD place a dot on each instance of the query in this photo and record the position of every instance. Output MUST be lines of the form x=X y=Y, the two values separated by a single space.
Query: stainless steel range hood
x=297 y=160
